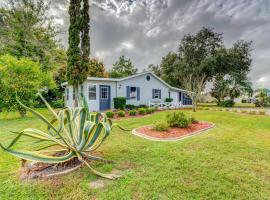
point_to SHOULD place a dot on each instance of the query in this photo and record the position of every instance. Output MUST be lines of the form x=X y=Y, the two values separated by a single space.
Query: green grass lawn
x=231 y=161
x=236 y=105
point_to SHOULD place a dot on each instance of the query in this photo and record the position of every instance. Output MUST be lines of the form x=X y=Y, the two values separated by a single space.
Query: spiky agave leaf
x=77 y=131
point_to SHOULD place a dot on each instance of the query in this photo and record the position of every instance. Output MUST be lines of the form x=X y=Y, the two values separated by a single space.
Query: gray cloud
x=145 y=30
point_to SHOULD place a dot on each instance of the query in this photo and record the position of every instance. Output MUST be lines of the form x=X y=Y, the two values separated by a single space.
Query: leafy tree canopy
x=122 y=68
x=22 y=77
x=96 y=68
x=27 y=31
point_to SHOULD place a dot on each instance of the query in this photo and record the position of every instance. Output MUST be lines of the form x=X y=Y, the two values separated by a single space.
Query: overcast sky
x=146 y=30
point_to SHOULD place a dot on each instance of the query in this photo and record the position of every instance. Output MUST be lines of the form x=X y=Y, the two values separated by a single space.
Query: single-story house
x=140 y=89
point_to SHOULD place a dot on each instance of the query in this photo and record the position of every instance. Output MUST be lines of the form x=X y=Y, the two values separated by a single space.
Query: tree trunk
x=76 y=90
x=194 y=103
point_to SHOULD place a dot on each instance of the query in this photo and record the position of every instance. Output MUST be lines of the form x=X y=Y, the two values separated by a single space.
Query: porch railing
x=165 y=105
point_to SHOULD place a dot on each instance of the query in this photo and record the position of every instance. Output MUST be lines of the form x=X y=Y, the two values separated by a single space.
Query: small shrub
x=243 y=111
x=206 y=108
x=57 y=103
x=148 y=110
x=121 y=113
x=234 y=110
x=252 y=112
x=119 y=103
x=141 y=111
x=142 y=106
x=110 y=114
x=169 y=100
x=132 y=112
x=178 y=120
x=161 y=126
x=153 y=109
x=227 y=109
x=226 y=103
x=262 y=112
x=130 y=107
x=193 y=120
x=200 y=108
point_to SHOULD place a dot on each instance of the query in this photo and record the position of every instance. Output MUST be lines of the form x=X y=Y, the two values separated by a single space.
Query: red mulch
x=174 y=132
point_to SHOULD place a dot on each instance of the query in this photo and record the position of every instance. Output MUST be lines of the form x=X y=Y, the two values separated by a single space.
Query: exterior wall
x=93 y=104
x=145 y=89
x=175 y=96
x=119 y=89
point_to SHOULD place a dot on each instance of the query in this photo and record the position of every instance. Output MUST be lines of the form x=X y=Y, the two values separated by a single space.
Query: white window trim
x=88 y=91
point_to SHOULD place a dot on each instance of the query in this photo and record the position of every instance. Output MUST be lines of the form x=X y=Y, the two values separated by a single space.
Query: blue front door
x=104 y=97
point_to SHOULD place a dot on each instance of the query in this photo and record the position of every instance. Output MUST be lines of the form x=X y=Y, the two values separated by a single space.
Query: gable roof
x=133 y=76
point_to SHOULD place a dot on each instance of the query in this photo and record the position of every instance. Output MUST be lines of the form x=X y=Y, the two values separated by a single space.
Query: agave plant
x=75 y=132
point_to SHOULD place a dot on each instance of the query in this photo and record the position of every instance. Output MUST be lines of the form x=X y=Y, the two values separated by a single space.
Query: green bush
x=110 y=114
x=142 y=106
x=132 y=112
x=178 y=120
x=193 y=120
x=206 y=108
x=169 y=100
x=121 y=113
x=161 y=126
x=243 y=111
x=141 y=111
x=153 y=109
x=226 y=103
x=130 y=107
x=148 y=110
x=58 y=103
x=119 y=103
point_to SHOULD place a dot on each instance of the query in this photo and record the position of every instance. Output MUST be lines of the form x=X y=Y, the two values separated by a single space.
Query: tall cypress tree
x=78 y=35
x=85 y=28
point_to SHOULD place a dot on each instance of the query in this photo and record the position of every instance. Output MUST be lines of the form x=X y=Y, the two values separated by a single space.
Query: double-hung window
x=156 y=94
x=133 y=93
x=92 y=92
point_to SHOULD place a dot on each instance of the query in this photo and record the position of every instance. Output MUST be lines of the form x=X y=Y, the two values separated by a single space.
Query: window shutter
x=153 y=93
x=128 y=92
x=159 y=94
x=138 y=93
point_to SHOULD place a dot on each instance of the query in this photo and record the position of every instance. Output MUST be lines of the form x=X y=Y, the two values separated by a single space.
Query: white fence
x=166 y=105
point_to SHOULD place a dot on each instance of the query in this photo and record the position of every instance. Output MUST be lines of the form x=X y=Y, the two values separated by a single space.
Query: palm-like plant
x=76 y=132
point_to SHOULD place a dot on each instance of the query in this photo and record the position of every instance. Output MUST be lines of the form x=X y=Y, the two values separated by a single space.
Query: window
x=67 y=94
x=92 y=92
x=133 y=93
x=148 y=78
x=156 y=94
x=73 y=94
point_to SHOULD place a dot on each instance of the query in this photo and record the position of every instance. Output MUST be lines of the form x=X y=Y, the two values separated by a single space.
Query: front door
x=104 y=97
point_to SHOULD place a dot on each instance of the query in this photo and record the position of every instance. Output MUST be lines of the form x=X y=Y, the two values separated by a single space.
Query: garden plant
x=76 y=132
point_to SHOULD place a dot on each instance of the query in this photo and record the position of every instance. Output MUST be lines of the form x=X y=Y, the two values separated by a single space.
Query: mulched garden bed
x=173 y=133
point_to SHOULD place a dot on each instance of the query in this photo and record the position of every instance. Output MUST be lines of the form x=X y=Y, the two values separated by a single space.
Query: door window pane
x=104 y=93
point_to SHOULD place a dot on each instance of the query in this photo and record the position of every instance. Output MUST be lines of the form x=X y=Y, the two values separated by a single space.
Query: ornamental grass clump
x=178 y=119
x=161 y=126
x=121 y=113
x=73 y=132
x=132 y=112
x=141 y=111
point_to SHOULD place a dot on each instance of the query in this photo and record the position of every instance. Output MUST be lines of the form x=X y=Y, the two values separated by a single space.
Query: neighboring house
x=138 y=89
